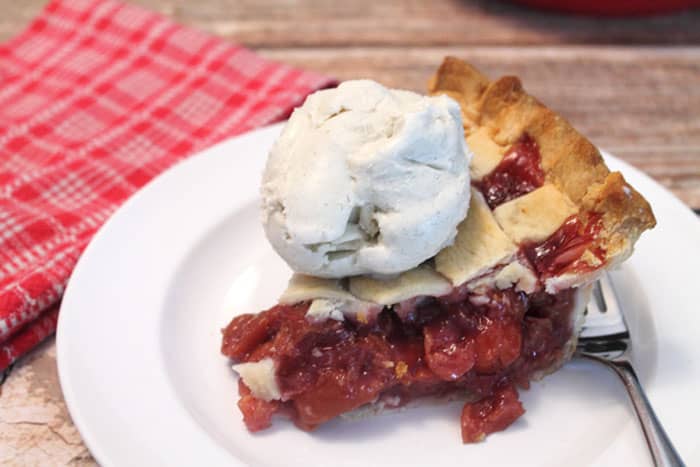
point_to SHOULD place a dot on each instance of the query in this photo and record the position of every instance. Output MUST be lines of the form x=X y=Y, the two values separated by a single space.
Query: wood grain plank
x=332 y=23
x=639 y=103
x=323 y=23
x=35 y=427
x=15 y=15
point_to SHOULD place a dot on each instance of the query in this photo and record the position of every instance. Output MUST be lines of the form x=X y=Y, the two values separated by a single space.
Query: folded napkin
x=96 y=98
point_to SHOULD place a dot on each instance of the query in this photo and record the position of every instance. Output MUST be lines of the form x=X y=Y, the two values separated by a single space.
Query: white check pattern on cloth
x=97 y=98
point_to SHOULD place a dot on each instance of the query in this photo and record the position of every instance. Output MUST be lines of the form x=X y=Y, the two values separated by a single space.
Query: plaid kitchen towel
x=96 y=98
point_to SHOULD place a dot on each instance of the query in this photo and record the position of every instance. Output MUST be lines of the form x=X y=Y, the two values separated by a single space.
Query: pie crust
x=571 y=163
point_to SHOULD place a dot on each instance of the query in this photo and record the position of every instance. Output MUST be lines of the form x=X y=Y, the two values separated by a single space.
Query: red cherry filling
x=449 y=350
x=493 y=413
x=518 y=173
x=562 y=251
x=479 y=345
x=257 y=413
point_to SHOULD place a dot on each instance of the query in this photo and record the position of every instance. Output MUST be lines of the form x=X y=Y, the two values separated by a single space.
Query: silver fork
x=606 y=339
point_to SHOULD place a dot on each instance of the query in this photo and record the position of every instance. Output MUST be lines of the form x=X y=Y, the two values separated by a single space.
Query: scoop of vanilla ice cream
x=366 y=180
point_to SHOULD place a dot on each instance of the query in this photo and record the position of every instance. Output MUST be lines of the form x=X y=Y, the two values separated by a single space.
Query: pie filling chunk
x=479 y=346
x=498 y=308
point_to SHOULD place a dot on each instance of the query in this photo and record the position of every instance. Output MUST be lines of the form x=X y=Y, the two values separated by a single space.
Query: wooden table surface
x=631 y=85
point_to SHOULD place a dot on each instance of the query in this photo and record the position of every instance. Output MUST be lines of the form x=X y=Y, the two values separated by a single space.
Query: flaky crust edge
x=569 y=160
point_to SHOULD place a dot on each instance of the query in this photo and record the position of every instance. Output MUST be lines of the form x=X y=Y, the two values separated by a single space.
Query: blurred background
x=630 y=83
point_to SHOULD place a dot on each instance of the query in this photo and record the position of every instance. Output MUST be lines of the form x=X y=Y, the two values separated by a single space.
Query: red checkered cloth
x=96 y=98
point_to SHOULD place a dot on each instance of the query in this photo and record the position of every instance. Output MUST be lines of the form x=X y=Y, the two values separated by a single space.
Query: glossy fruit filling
x=478 y=346
x=518 y=173
x=564 y=250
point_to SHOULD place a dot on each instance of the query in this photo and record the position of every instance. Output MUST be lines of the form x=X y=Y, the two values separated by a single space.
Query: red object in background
x=612 y=7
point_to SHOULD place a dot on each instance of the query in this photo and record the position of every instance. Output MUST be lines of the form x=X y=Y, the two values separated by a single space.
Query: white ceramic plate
x=140 y=368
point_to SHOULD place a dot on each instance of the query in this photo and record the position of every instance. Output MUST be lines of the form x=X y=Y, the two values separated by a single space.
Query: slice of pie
x=498 y=308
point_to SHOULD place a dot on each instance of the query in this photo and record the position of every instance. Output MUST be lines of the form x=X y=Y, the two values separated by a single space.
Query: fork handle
x=662 y=450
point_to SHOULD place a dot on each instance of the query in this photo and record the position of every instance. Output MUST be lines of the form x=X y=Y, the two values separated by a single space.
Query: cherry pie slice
x=500 y=307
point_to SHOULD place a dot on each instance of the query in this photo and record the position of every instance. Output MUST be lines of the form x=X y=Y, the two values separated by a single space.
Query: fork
x=606 y=339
